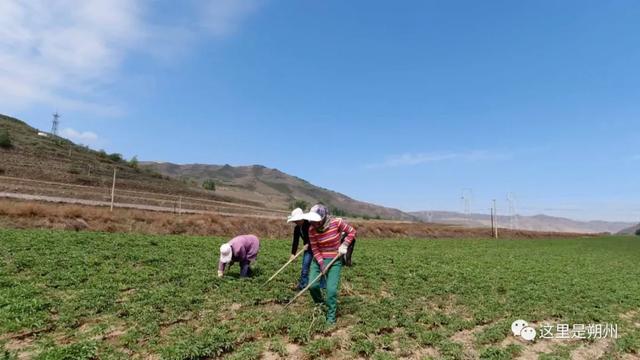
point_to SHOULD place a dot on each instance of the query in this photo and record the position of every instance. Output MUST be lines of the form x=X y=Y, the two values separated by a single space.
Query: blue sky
x=403 y=104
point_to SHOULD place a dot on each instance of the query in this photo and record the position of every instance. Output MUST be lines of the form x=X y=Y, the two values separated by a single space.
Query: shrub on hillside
x=189 y=181
x=337 y=211
x=115 y=157
x=638 y=232
x=209 y=185
x=134 y=162
x=299 y=203
x=5 y=139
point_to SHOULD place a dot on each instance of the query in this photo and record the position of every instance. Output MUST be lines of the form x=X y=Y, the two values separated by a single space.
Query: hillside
x=532 y=223
x=631 y=230
x=57 y=167
x=271 y=187
x=55 y=159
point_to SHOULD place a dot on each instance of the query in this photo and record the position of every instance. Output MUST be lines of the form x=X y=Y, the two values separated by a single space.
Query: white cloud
x=410 y=159
x=223 y=17
x=85 y=137
x=65 y=53
x=60 y=52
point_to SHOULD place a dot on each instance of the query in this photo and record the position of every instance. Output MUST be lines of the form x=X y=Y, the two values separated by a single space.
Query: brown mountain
x=57 y=167
x=272 y=187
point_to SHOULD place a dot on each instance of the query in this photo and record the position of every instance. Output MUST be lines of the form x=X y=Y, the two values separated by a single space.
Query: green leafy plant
x=279 y=348
x=79 y=351
x=320 y=348
x=209 y=184
x=159 y=296
x=363 y=347
x=5 y=139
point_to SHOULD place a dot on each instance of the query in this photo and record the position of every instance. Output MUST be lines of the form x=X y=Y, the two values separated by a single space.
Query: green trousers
x=333 y=283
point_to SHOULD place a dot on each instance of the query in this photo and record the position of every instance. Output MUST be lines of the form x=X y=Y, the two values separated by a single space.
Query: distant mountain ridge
x=533 y=223
x=272 y=187
x=631 y=230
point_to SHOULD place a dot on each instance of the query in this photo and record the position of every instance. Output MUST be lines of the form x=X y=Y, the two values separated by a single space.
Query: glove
x=220 y=273
x=342 y=250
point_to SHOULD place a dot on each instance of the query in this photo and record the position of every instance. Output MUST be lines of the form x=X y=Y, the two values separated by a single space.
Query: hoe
x=314 y=280
x=284 y=266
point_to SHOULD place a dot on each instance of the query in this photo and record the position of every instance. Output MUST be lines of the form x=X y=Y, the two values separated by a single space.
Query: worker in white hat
x=301 y=230
x=242 y=249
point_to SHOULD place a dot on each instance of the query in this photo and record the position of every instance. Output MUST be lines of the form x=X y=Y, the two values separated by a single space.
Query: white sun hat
x=317 y=213
x=225 y=253
x=313 y=217
x=296 y=215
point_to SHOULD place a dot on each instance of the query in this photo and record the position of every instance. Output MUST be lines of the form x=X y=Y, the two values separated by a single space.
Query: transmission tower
x=465 y=198
x=513 y=216
x=55 y=123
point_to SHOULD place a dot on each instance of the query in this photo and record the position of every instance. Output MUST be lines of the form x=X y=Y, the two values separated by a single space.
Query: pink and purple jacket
x=324 y=245
x=245 y=250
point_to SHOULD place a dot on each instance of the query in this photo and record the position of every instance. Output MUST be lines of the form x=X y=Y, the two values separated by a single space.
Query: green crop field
x=67 y=295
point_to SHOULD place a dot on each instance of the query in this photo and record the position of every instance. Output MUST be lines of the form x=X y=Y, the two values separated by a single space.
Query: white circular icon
x=517 y=327
x=528 y=333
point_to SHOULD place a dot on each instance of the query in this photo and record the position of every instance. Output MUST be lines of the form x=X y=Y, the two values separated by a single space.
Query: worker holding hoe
x=325 y=234
x=242 y=249
x=301 y=230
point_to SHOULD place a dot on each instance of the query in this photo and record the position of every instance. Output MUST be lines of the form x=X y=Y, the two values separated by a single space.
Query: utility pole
x=513 y=220
x=113 y=188
x=465 y=197
x=495 y=219
x=493 y=224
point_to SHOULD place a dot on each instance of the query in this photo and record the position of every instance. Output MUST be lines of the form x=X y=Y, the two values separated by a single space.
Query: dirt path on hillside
x=66 y=200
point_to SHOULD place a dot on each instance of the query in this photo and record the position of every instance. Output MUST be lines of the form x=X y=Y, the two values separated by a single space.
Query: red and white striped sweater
x=324 y=245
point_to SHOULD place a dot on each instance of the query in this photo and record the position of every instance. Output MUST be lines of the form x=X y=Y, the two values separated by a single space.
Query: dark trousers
x=245 y=270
